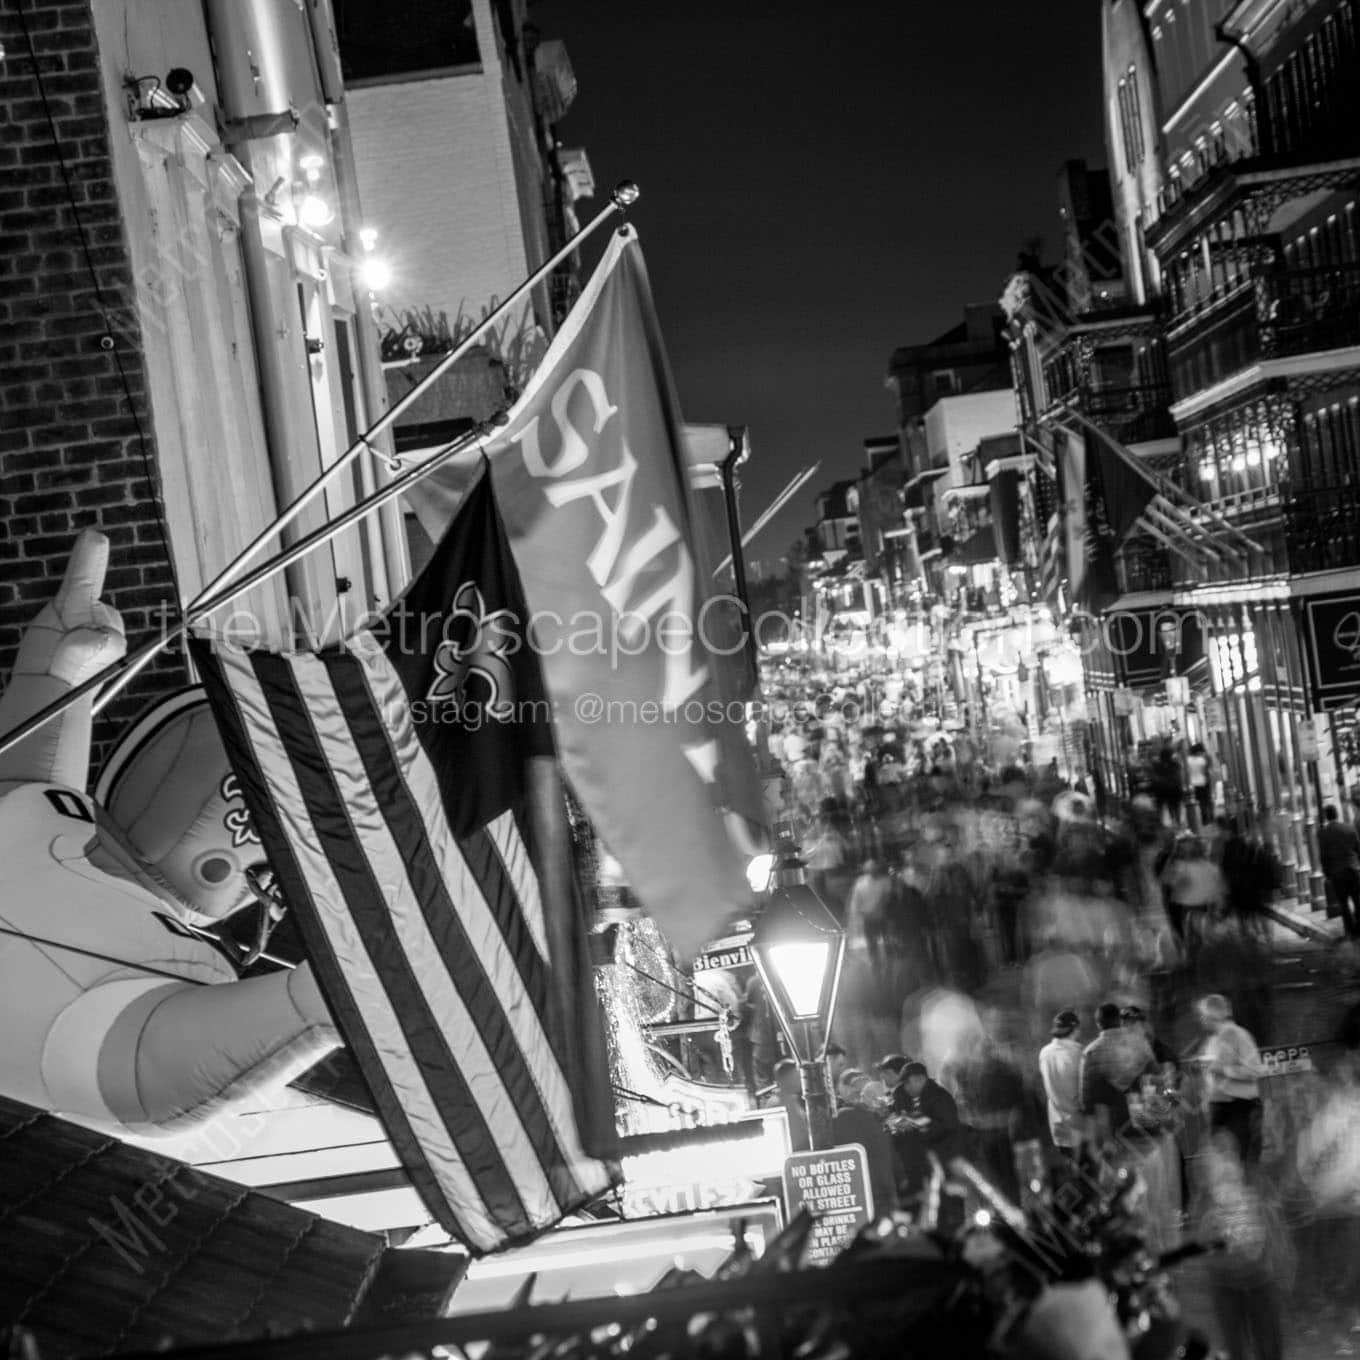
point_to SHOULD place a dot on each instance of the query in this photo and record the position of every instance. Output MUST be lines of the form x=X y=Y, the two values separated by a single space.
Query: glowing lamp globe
x=315 y=212
x=799 y=947
x=376 y=273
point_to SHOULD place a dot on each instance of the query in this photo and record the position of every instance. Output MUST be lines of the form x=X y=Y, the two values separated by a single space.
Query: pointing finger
x=84 y=578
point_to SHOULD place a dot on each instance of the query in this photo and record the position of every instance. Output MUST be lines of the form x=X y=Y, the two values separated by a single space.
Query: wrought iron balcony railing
x=1280 y=312
x=1133 y=415
x=1142 y=565
x=1322 y=526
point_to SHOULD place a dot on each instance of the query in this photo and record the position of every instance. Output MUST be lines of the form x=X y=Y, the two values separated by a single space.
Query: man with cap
x=927 y=1121
x=890 y=1068
x=1060 y=1069
x=1110 y=1064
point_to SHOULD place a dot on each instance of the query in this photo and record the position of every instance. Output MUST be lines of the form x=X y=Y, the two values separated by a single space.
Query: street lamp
x=798 y=947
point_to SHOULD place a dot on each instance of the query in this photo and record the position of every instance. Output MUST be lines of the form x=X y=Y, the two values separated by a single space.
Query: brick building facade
x=187 y=341
x=77 y=447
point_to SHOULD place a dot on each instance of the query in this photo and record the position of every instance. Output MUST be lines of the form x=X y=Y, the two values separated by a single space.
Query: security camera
x=181 y=84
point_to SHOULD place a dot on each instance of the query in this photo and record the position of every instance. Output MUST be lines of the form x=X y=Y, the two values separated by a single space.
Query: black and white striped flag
x=404 y=788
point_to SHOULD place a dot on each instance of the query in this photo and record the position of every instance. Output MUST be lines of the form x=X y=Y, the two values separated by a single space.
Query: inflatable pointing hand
x=74 y=637
x=84 y=635
x=116 y=1010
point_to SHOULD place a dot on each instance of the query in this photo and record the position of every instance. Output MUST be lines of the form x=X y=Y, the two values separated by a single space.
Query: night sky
x=821 y=184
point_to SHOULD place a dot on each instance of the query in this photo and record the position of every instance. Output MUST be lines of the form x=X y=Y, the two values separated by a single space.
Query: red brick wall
x=76 y=445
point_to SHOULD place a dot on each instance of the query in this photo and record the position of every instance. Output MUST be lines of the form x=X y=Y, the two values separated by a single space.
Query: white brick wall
x=436 y=178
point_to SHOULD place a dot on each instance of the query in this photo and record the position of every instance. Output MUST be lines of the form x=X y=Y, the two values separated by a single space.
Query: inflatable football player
x=118 y=1011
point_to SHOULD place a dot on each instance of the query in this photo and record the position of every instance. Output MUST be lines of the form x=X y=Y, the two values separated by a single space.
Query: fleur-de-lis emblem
x=482 y=645
x=236 y=819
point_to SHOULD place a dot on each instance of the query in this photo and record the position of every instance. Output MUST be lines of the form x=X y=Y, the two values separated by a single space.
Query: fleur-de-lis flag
x=405 y=790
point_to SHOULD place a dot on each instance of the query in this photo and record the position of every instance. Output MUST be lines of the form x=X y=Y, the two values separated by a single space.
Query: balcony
x=1133 y=415
x=1143 y=565
x=1278 y=313
x=1322 y=526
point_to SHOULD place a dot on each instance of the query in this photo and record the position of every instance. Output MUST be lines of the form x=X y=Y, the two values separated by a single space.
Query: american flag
x=1048 y=512
x=1050 y=559
x=405 y=792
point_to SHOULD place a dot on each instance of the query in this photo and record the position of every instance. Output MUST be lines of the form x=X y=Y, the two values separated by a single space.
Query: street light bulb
x=801 y=967
x=758 y=871
x=375 y=273
x=314 y=211
x=368 y=237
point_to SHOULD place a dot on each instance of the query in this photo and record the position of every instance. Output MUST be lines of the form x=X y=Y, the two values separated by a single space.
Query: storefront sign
x=1280 y=1062
x=701 y=1174
x=1150 y=644
x=724 y=958
x=654 y=1201
x=1215 y=717
x=1334 y=635
x=1305 y=734
x=834 y=1187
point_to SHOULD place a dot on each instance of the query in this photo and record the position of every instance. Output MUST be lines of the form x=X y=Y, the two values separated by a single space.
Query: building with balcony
x=1257 y=241
x=453 y=110
x=190 y=342
x=1226 y=369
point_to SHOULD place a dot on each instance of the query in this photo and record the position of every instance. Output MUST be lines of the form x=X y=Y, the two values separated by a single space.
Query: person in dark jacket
x=927 y=1121
x=855 y=1122
x=1111 y=1064
x=1339 y=851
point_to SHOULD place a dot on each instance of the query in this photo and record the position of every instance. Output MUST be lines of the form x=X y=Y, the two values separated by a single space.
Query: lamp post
x=798 y=947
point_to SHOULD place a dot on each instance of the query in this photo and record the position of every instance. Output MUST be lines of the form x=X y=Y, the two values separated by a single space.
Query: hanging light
x=315 y=212
x=758 y=871
x=798 y=947
x=375 y=273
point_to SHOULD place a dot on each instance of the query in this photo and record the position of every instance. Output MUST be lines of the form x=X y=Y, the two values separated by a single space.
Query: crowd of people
x=1038 y=971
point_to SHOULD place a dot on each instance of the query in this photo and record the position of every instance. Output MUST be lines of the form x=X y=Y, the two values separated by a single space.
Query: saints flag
x=404 y=788
x=590 y=476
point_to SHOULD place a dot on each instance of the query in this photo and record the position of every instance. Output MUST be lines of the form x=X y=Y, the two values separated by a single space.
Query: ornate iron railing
x=1322 y=526
x=1285 y=312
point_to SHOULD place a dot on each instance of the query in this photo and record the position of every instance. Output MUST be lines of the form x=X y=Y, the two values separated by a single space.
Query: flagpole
x=771 y=510
x=1174 y=495
x=205 y=604
x=624 y=195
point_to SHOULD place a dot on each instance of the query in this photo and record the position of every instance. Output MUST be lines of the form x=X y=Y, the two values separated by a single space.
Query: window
x=1131 y=119
x=386 y=39
x=946 y=382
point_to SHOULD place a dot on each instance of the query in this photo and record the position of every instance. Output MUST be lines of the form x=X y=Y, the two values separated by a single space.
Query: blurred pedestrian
x=825 y=853
x=1060 y=1071
x=868 y=913
x=858 y=1120
x=1167 y=788
x=1250 y=876
x=1195 y=891
x=1154 y=1124
x=1199 y=776
x=1110 y=1065
x=1232 y=1069
x=1249 y=1277
x=788 y=1095
x=924 y=1121
x=1339 y=853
